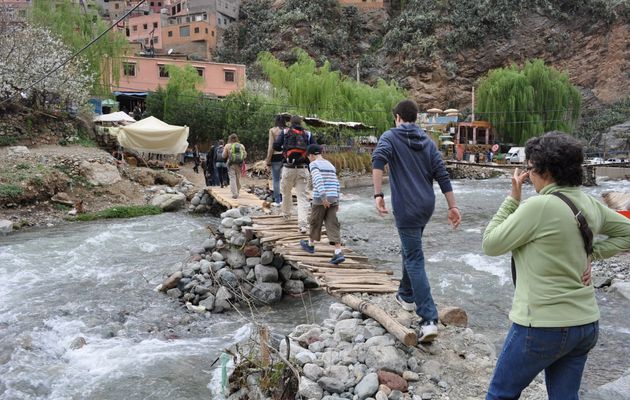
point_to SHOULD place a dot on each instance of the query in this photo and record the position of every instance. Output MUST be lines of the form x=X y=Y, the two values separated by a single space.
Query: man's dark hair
x=296 y=120
x=281 y=121
x=407 y=109
x=559 y=154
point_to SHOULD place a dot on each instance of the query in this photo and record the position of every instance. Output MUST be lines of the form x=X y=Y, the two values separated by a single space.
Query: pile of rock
x=350 y=356
x=463 y=171
x=233 y=267
x=202 y=202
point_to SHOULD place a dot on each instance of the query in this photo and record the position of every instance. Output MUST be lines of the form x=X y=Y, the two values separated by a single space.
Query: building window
x=129 y=69
x=170 y=33
x=146 y=41
x=199 y=71
x=152 y=3
x=145 y=26
x=184 y=31
x=163 y=71
x=116 y=6
x=179 y=7
x=155 y=24
x=155 y=39
x=159 y=4
x=135 y=28
x=196 y=29
x=127 y=31
x=212 y=33
x=229 y=75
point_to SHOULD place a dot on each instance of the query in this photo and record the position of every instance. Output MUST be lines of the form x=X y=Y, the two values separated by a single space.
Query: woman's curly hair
x=559 y=154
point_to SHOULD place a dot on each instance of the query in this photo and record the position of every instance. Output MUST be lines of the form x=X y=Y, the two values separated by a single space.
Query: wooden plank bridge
x=355 y=274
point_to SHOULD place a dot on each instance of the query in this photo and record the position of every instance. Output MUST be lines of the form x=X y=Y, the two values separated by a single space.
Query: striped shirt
x=325 y=182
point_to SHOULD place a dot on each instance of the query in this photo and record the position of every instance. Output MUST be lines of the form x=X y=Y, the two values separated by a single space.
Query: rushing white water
x=95 y=281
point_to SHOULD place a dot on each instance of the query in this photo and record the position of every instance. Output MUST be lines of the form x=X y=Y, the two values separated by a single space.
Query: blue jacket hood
x=411 y=135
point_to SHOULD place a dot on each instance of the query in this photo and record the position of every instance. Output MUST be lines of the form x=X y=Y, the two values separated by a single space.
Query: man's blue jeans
x=414 y=285
x=276 y=173
x=560 y=352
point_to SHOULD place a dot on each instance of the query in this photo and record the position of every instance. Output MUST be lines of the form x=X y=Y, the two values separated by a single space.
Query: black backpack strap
x=587 y=234
x=585 y=231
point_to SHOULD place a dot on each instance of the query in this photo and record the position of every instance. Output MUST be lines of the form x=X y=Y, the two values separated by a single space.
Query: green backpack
x=237 y=154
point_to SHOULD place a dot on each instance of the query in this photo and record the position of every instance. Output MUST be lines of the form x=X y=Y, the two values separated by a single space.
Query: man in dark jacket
x=295 y=174
x=414 y=163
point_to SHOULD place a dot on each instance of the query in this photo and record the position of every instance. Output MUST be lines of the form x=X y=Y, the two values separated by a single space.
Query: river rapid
x=95 y=281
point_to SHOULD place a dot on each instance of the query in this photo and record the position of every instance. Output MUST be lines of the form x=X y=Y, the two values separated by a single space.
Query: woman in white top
x=275 y=158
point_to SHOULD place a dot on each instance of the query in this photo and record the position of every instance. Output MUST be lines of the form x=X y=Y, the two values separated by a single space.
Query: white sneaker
x=303 y=230
x=405 y=305
x=428 y=332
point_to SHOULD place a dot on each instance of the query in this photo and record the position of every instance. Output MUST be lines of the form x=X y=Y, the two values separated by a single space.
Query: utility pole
x=358 y=77
x=473 y=104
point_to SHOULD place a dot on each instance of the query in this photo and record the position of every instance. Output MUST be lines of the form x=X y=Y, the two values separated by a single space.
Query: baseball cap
x=314 y=149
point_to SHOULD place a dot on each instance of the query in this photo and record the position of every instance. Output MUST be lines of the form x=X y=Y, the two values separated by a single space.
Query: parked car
x=595 y=160
x=516 y=155
x=614 y=161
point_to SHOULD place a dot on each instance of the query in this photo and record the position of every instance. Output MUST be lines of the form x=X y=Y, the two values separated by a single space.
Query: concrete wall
x=613 y=172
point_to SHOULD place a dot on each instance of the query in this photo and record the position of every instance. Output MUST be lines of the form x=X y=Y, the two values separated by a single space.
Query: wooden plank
x=364 y=290
x=324 y=254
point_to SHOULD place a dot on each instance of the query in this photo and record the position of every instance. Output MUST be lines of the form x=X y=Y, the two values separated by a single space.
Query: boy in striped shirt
x=325 y=204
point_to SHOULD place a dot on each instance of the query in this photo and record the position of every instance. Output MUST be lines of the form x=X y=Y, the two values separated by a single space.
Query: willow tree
x=77 y=26
x=319 y=91
x=525 y=102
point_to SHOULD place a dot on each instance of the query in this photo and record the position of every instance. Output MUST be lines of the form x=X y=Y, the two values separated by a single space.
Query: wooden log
x=319 y=253
x=405 y=335
x=340 y=267
x=363 y=290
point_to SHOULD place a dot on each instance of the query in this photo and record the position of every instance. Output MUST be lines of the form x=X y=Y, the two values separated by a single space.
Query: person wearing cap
x=325 y=204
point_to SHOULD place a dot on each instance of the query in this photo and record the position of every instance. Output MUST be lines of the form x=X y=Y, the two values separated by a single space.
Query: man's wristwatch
x=379 y=195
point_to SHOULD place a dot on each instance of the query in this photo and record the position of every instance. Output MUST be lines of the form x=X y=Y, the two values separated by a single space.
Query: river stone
x=77 y=343
x=101 y=174
x=367 y=387
x=616 y=390
x=310 y=283
x=221 y=301
x=227 y=222
x=410 y=376
x=335 y=310
x=312 y=371
x=171 y=281
x=267 y=292
x=227 y=278
x=304 y=357
x=205 y=266
x=386 y=357
x=454 y=316
x=331 y=385
x=243 y=221
x=266 y=274
x=208 y=302
x=174 y=293
x=382 y=340
x=18 y=151
x=238 y=239
x=251 y=275
x=231 y=213
x=278 y=261
x=267 y=257
x=293 y=287
x=342 y=374
x=347 y=329
x=285 y=272
x=252 y=261
x=217 y=265
x=209 y=243
x=216 y=256
x=169 y=202
x=299 y=274
x=309 y=389
x=236 y=258
x=392 y=380
x=380 y=396
x=195 y=200
x=623 y=288
x=251 y=251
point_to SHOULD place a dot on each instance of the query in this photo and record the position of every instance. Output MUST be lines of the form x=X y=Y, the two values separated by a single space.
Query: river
x=95 y=281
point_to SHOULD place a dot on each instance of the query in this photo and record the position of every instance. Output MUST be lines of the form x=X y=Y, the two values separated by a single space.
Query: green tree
x=525 y=102
x=322 y=92
x=77 y=27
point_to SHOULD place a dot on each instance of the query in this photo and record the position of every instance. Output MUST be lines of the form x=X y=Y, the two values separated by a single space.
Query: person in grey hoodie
x=414 y=163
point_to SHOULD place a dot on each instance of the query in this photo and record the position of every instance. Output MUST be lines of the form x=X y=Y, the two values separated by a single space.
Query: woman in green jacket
x=554 y=312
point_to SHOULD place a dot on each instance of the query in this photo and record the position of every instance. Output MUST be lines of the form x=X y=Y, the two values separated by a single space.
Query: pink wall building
x=145 y=74
x=144 y=28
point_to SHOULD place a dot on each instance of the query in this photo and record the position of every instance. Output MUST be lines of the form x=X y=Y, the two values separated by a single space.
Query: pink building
x=143 y=29
x=145 y=74
x=15 y=10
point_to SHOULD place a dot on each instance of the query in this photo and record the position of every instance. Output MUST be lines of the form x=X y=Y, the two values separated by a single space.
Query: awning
x=119 y=116
x=132 y=94
x=151 y=135
x=448 y=143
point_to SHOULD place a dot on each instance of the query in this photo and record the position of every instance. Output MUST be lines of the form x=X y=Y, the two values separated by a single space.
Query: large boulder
x=169 y=201
x=615 y=390
x=100 y=174
x=267 y=292
x=6 y=226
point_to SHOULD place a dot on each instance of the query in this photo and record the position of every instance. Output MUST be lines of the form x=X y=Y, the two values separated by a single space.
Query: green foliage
x=353 y=162
x=328 y=94
x=7 y=140
x=10 y=191
x=120 y=212
x=596 y=122
x=77 y=29
x=522 y=103
x=23 y=166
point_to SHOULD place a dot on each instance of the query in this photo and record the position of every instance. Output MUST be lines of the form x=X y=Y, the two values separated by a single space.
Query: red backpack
x=295 y=143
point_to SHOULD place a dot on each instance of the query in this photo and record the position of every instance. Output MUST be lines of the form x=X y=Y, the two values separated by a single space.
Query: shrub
x=120 y=212
x=10 y=191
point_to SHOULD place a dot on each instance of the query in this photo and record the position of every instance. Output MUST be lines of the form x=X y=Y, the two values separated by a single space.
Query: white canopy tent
x=118 y=116
x=151 y=135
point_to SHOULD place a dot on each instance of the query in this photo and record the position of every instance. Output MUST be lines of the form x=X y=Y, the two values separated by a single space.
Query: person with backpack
x=274 y=158
x=220 y=166
x=293 y=143
x=235 y=155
